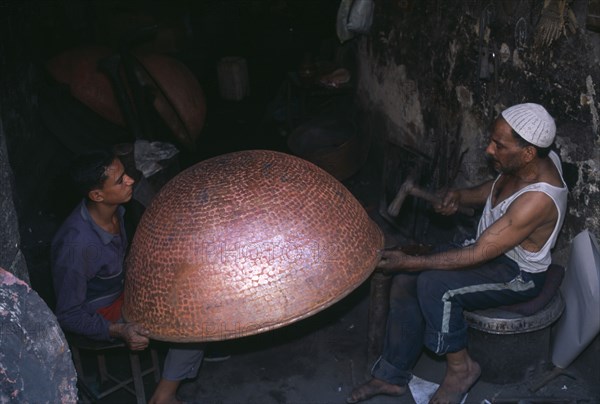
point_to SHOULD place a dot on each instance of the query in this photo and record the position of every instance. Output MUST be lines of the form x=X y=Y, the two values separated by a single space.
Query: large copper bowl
x=245 y=243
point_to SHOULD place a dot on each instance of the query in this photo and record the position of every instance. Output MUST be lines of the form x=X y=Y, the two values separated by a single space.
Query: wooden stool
x=79 y=343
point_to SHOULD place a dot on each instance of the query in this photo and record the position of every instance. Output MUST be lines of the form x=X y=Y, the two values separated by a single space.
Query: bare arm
x=475 y=197
x=526 y=214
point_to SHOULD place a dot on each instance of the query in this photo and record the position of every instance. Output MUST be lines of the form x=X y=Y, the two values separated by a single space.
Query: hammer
x=409 y=188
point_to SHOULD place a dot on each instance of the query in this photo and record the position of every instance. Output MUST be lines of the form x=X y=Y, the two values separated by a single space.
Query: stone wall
x=11 y=112
x=439 y=72
x=30 y=156
x=11 y=256
x=21 y=172
x=35 y=363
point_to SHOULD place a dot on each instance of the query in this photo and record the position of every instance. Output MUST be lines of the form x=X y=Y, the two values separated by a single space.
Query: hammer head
x=394 y=208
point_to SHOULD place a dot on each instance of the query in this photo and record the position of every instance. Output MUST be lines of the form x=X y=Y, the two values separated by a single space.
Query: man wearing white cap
x=524 y=208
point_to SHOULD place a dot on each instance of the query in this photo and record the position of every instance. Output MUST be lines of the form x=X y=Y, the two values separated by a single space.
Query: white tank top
x=527 y=260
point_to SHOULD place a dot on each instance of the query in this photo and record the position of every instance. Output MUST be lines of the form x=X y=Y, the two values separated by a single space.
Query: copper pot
x=245 y=243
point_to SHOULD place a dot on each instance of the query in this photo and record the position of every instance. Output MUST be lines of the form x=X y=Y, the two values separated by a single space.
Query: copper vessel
x=244 y=243
x=175 y=92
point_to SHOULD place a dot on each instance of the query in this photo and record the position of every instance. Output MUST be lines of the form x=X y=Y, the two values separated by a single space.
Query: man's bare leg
x=375 y=387
x=461 y=373
x=165 y=392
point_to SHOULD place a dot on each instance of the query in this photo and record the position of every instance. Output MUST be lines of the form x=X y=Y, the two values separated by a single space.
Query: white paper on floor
x=422 y=390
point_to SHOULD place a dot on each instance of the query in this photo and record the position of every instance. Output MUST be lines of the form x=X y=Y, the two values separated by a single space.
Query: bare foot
x=373 y=388
x=165 y=392
x=461 y=373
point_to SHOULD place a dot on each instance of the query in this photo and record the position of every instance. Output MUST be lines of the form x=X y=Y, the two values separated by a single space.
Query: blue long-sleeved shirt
x=87 y=271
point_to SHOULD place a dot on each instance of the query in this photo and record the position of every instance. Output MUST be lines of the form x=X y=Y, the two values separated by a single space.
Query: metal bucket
x=510 y=347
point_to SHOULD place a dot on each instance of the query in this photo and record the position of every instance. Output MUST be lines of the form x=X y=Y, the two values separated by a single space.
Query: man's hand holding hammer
x=452 y=201
x=446 y=205
x=395 y=260
x=449 y=204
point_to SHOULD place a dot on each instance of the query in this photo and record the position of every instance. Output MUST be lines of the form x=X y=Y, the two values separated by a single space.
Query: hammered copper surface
x=245 y=243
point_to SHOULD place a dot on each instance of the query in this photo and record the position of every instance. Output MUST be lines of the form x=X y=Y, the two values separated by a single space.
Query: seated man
x=524 y=208
x=87 y=256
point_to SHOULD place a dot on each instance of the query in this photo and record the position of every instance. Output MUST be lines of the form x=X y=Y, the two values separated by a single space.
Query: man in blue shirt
x=88 y=252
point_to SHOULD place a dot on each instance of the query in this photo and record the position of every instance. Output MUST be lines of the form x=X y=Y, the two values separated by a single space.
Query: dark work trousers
x=426 y=309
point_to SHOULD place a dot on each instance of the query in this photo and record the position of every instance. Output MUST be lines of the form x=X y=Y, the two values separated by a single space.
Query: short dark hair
x=88 y=170
x=541 y=151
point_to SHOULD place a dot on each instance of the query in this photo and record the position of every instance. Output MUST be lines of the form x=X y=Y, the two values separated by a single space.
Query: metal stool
x=79 y=343
x=512 y=343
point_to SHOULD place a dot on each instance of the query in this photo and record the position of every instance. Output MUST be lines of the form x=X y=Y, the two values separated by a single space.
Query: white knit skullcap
x=532 y=122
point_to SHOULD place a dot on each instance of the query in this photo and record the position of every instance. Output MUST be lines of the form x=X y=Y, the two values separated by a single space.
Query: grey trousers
x=183 y=361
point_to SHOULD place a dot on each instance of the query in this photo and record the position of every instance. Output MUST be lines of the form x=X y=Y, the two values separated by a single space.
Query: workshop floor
x=320 y=359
